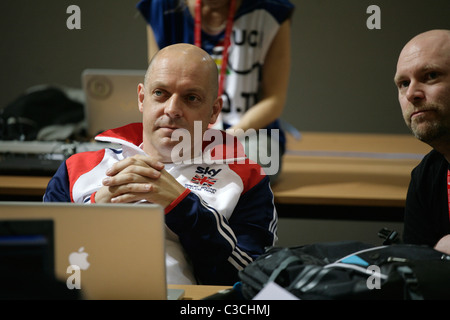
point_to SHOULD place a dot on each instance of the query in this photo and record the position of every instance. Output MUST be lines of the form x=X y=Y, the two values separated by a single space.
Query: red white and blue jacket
x=223 y=221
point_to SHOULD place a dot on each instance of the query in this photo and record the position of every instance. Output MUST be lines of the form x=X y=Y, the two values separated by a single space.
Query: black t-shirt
x=427 y=212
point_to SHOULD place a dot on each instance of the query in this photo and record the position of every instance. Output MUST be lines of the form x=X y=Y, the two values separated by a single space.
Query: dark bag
x=351 y=270
x=25 y=116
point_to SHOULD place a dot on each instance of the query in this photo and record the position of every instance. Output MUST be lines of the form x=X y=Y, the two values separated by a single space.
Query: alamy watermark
x=374 y=20
x=78 y=261
x=74 y=20
x=374 y=280
x=262 y=147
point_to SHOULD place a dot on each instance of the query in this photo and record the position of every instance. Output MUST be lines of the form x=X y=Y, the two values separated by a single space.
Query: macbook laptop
x=111 y=98
x=107 y=251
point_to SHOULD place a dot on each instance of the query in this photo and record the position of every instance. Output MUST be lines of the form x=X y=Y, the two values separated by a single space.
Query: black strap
x=283 y=265
x=411 y=283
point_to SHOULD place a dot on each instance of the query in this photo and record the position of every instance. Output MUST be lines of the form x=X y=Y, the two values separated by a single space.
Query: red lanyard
x=448 y=191
x=226 y=45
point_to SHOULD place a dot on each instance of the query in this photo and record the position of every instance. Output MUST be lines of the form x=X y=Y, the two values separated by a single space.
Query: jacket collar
x=219 y=146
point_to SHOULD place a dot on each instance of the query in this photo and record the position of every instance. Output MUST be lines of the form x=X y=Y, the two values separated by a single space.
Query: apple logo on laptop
x=79 y=258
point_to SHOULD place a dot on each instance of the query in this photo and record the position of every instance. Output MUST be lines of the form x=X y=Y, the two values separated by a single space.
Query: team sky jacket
x=223 y=220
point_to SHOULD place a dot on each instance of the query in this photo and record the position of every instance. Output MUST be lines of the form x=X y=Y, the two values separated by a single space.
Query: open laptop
x=111 y=98
x=107 y=251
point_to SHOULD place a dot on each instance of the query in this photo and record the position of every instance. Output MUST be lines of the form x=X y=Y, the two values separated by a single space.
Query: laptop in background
x=111 y=98
x=119 y=248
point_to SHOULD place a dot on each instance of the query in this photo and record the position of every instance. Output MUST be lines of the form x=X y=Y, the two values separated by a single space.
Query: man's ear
x=217 y=107
x=140 y=92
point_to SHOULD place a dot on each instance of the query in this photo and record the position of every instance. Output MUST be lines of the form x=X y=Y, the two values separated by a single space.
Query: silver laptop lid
x=111 y=98
x=107 y=251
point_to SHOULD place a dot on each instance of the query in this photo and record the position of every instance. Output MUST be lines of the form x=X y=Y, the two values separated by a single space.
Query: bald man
x=423 y=82
x=219 y=207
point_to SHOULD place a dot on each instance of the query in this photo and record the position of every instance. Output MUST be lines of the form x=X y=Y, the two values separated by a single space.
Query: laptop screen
x=27 y=246
x=105 y=251
x=111 y=98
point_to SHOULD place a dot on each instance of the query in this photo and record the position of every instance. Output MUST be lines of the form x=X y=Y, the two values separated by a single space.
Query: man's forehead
x=410 y=58
x=432 y=47
x=176 y=82
x=422 y=58
x=169 y=64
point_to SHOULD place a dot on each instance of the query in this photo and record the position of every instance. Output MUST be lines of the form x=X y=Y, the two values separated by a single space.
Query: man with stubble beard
x=423 y=82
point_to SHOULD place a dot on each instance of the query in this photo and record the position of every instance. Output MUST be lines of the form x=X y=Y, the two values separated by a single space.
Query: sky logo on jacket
x=207 y=171
x=203 y=180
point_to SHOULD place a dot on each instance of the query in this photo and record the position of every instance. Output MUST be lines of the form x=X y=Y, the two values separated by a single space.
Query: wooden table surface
x=320 y=168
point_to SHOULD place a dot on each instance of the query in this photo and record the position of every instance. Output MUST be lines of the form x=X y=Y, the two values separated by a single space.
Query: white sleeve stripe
x=225 y=227
x=244 y=254
x=273 y=223
x=243 y=258
x=273 y=226
x=235 y=264
x=237 y=255
x=220 y=228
